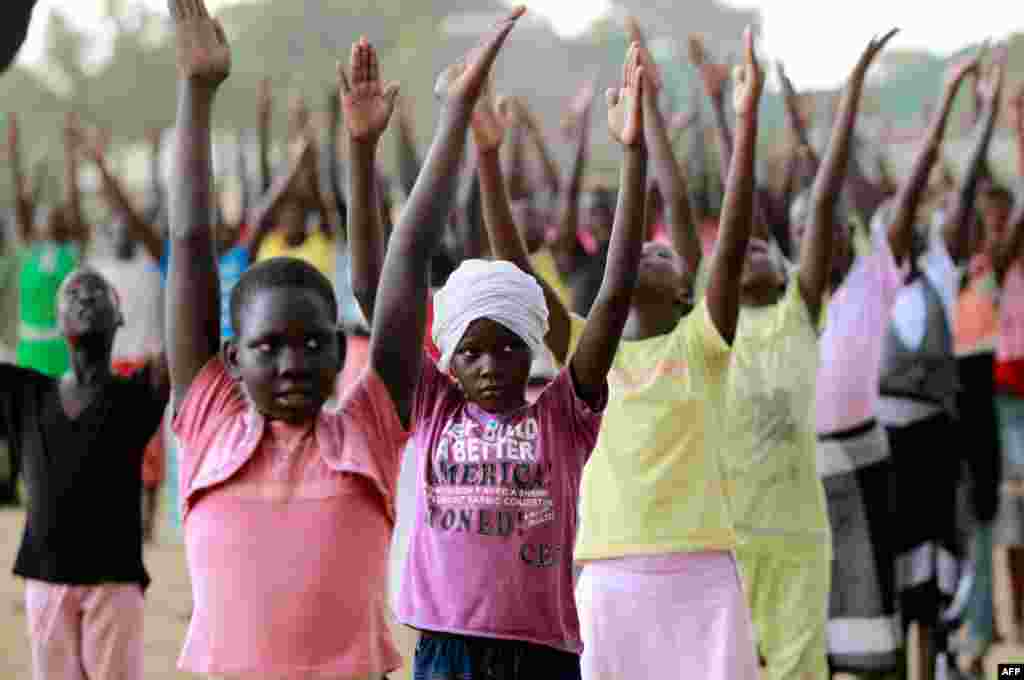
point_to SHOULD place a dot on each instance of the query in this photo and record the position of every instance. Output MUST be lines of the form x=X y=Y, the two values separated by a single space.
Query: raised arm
x=548 y=163
x=593 y=357
x=116 y=197
x=565 y=241
x=670 y=180
x=715 y=78
x=265 y=106
x=193 y=298
x=409 y=164
x=901 y=229
x=956 y=231
x=723 y=294
x=398 y=325
x=72 y=189
x=24 y=207
x=261 y=217
x=333 y=160
x=489 y=125
x=795 y=119
x=155 y=199
x=816 y=249
x=368 y=104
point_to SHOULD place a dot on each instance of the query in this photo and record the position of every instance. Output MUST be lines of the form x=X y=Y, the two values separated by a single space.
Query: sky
x=818 y=41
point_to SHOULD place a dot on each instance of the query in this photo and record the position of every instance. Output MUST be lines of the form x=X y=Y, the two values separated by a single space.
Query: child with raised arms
x=498 y=476
x=656 y=536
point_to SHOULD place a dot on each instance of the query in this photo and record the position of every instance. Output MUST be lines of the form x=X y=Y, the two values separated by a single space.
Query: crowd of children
x=647 y=437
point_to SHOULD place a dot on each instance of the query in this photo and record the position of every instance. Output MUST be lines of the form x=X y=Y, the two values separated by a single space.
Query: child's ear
x=229 y=355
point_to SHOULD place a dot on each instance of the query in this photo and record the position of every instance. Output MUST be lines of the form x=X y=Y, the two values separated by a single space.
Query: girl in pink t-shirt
x=489 y=580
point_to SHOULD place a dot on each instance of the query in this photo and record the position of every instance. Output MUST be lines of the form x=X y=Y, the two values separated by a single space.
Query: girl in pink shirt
x=489 y=580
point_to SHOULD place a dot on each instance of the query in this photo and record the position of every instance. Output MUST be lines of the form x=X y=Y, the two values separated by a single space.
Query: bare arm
x=261 y=218
x=540 y=145
x=901 y=230
x=506 y=242
x=670 y=180
x=265 y=104
x=119 y=203
x=23 y=204
x=600 y=341
x=193 y=299
x=408 y=159
x=565 y=242
x=956 y=230
x=368 y=105
x=816 y=253
x=795 y=120
x=723 y=294
x=398 y=325
x=72 y=190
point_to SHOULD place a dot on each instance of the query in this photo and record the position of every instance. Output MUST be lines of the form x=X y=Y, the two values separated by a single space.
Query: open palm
x=366 y=101
x=625 y=113
x=462 y=83
x=204 y=56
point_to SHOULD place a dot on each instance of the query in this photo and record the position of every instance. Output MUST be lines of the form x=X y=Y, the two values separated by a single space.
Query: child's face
x=492 y=364
x=87 y=306
x=288 y=353
x=761 y=268
x=663 y=273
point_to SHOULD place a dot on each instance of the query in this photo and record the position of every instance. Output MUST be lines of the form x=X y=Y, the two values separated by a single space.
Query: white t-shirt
x=137 y=282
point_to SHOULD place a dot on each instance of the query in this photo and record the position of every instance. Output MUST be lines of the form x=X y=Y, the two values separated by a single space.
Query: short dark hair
x=279 y=272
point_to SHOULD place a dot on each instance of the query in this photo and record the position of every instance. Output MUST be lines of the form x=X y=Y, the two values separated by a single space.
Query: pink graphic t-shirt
x=287 y=533
x=491 y=549
x=851 y=345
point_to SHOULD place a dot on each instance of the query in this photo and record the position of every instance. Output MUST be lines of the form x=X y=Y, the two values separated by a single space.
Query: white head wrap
x=495 y=290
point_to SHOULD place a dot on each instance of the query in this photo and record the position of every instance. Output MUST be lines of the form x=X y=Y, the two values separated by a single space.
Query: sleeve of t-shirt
x=369 y=407
x=702 y=336
x=886 y=274
x=571 y=413
x=14 y=380
x=212 y=395
x=793 y=307
x=432 y=389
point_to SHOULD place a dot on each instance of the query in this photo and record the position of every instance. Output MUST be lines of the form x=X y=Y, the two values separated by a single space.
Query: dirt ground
x=167 y=606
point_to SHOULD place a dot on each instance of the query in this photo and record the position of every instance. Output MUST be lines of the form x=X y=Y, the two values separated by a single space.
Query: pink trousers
x=671 y=617
x=84 y=632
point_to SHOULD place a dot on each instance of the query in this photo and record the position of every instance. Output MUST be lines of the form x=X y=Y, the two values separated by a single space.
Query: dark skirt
x=444 y=656
x=863 y=634
x=925 y=478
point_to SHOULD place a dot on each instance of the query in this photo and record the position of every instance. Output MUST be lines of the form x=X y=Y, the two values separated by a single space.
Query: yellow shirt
x=654 y=484
x=318 y=250
x=769 y=449
x=544 y=266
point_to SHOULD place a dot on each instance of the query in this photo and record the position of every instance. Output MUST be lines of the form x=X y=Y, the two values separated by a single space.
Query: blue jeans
x=442 y=656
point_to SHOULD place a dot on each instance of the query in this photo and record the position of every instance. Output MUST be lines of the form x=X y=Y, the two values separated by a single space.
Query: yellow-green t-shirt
x=544 y=266
x=317 y=249
x=769 y=448
x=654 y=483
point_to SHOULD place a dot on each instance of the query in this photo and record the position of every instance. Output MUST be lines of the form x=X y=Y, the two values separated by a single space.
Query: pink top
x=287 y=531
x=851 y=345
x=1010 y=350
x=1011 y=315
x=491 y=549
